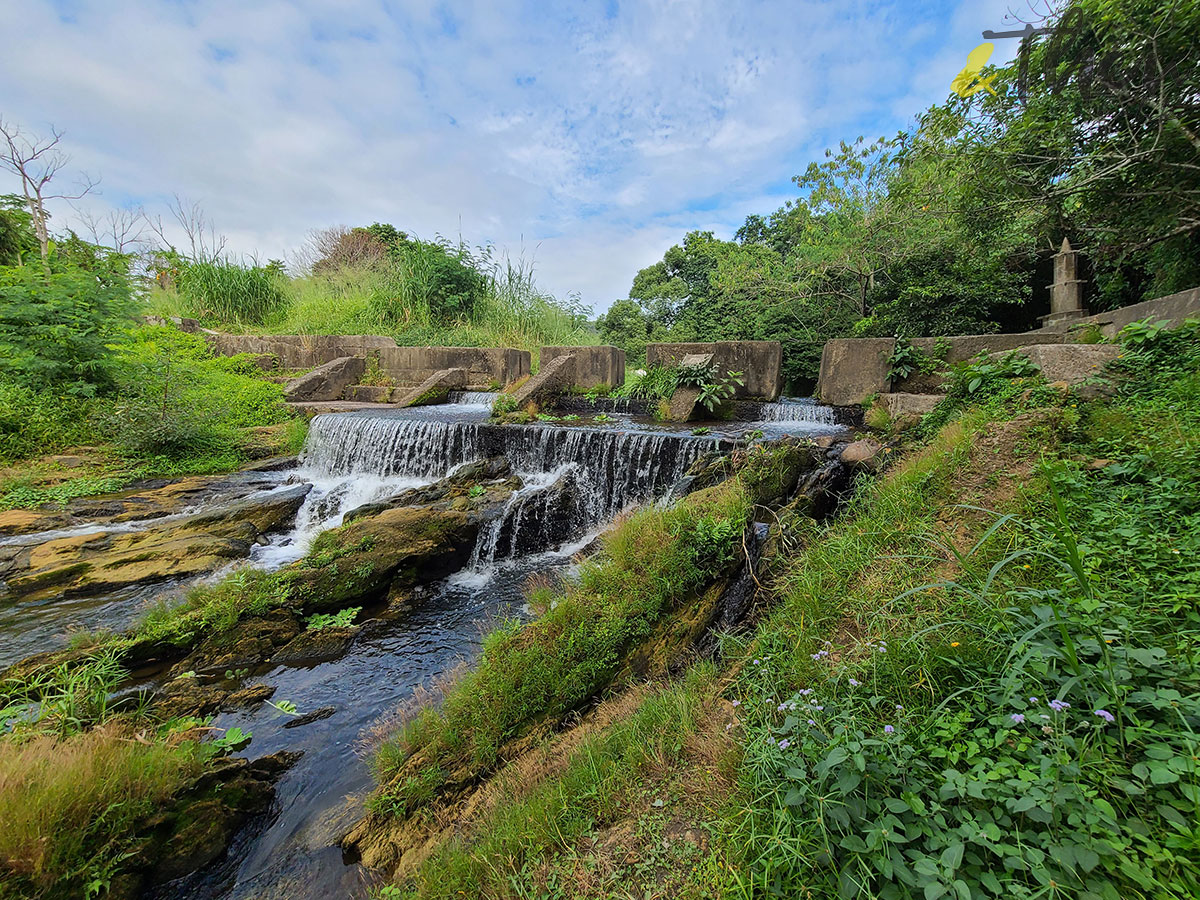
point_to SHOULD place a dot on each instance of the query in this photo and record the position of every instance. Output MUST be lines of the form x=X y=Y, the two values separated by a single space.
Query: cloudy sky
x=587 y=135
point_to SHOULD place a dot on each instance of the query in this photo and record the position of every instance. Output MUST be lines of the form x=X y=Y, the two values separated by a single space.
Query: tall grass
x=391 y=299
x=69 y=805
x=227 y=292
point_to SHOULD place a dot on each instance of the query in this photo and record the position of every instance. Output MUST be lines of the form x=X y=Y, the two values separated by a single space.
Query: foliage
x=226 y=292
x=341 y=619
x=655 y=383
x=173 y=399
x=55 y=326
x=1027 y=726
x=906 y=359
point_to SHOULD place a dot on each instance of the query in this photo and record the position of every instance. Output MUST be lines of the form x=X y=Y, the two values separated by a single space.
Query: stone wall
x=1173 y=308
x=594 y=366
x=298 y=351
x=853 y=369
x=404 y=365
x=760 y=363
x=485 y=366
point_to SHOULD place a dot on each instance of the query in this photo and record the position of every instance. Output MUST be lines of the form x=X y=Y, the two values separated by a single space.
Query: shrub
x=55 y=327
x=228 y=293
x=39 y=421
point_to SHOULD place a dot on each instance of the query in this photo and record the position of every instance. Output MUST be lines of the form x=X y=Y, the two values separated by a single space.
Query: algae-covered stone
x=97 y=562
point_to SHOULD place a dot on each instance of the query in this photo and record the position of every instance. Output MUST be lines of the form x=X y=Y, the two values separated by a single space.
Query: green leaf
x=952 y=856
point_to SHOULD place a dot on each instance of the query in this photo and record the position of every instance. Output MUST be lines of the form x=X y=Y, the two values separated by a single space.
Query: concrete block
x=682 y=407
x=1070 y=363
x=552 y=379
x=327 y=382
x=852 y=369
x=901 y=404
x=434 y=389
x=760 y=362
x=594 y=366
x=369 y=393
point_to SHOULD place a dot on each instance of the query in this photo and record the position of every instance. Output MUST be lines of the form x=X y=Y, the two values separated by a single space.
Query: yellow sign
x=968 y=82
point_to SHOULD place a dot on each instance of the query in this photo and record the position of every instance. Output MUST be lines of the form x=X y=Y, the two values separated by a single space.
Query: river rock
x=863 y=454
x=198 y=829
x=104 y=561
x=150 y=499
x=315 y=646
x=308 y=718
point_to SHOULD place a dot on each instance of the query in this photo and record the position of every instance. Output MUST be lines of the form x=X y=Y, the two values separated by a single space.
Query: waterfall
x=797 y=410
x=574 y=478
x=483 y=399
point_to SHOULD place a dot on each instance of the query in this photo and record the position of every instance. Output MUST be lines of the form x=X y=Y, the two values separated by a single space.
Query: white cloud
x=588 y=136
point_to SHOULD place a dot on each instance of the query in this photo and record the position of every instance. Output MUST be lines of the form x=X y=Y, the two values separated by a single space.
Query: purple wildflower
x=1106 y=715
x=737 y=703
x=1033 y=700
x=812 y=722
x=854 y=683
x=1059 y=705
x=888 y=729
x=1018 y=718
x=784 y=744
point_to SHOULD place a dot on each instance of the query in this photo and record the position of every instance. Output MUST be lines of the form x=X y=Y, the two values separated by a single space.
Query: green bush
x=33 y=421
x=175 y=399
x=55 y=327
x=228 y=293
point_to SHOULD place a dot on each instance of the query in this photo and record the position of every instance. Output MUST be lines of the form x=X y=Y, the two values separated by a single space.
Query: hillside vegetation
x=981 y=681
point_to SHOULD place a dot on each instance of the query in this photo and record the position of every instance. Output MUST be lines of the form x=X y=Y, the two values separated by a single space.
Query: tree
x=17 y=239
x=36 y=161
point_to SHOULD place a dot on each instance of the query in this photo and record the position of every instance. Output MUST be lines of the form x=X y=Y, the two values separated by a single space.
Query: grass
x=544 y=670
x=602 y=780
x=80 y=773
x=69 y=805
x=511 y=311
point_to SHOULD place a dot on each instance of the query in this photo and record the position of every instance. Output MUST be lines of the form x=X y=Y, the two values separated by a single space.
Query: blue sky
x=589 y=136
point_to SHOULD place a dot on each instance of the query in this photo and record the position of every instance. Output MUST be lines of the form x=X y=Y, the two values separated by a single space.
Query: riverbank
x=998 y=639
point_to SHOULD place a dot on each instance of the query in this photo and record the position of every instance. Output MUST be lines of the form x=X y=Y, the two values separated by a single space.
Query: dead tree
x=36 y=161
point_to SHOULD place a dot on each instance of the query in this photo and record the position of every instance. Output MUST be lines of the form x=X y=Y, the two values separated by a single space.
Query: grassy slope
x=910 y=633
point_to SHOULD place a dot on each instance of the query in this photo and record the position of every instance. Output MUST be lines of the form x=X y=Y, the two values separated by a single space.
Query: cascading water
x=483 y=399
x=573 y=478
x=797 y=410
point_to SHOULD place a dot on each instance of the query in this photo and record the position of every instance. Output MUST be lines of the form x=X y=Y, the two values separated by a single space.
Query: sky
x=585 y=136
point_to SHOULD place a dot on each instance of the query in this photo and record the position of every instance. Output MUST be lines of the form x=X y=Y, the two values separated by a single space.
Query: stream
x=356 y=458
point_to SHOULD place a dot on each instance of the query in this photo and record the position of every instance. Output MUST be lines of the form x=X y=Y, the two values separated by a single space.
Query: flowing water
x=575 y=479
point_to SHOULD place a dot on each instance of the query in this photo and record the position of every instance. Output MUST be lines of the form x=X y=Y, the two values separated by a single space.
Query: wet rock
x=493 y=474
x=358 y=562
x=254 y=640
x=315 y=646
x=199 y=828
x=308 y=718
x=105 y=561
x=249 y=696
x=863 y=454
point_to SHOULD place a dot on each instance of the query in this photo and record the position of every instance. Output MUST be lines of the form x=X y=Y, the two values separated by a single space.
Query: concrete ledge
x=760 y=362
x=434 y=389
x=327 y=382
x=594 y=366
x=1173 y=308
x=404 y=365
x=551 y=380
